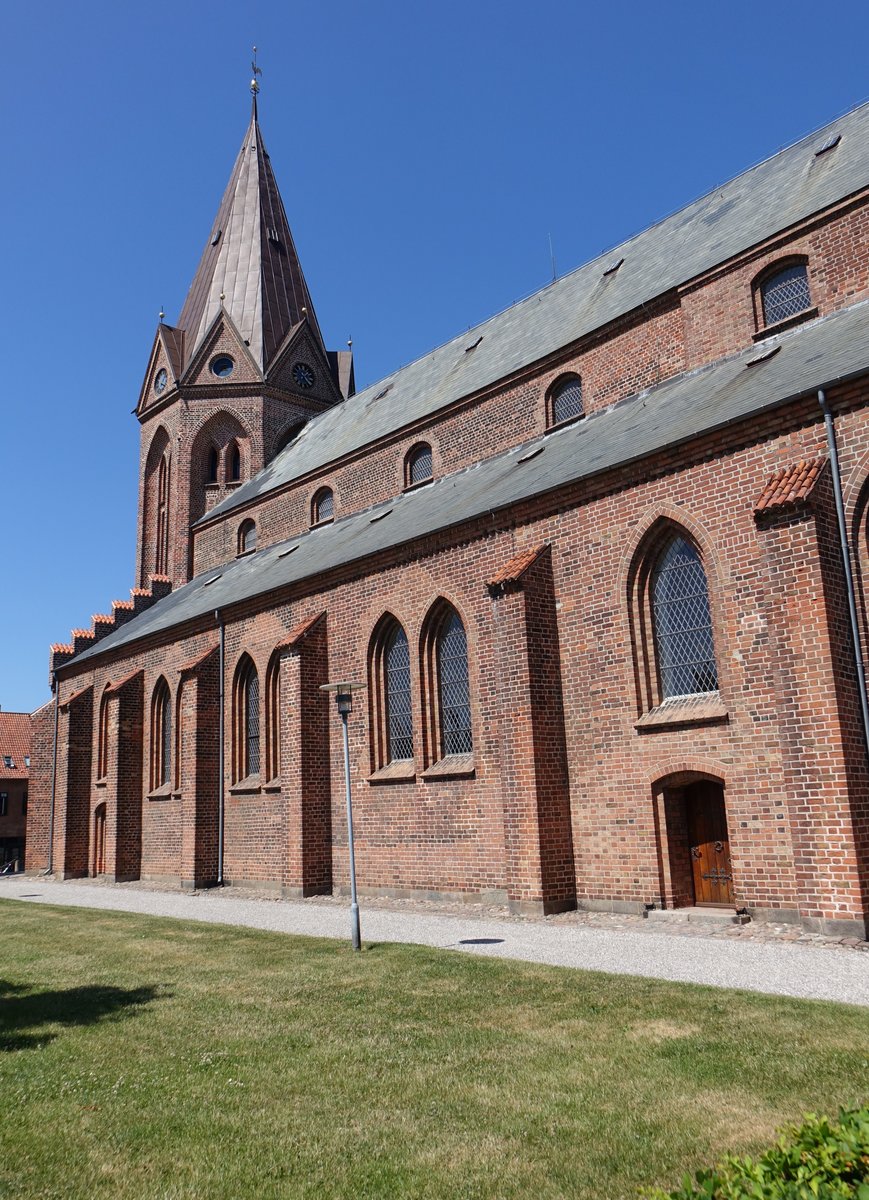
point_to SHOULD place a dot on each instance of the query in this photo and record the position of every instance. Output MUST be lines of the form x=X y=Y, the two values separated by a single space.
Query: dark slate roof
x=777 y=193
x=251 y=258
x=697 y=402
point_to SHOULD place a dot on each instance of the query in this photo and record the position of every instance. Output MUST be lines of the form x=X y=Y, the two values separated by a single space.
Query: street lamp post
x=344 y=701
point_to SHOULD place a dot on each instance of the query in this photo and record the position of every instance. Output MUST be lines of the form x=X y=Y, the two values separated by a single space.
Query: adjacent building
x=14 y=778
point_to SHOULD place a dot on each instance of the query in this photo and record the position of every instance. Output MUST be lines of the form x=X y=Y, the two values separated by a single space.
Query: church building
x=601 y=563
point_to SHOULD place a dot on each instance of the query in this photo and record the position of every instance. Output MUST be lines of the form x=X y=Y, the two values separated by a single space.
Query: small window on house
x=234 y=464
x=7 y=761
x=27 y=761
x=246 y=537
x=322 y=507
x=4 y=803
x=565 y=399
x=213 y=465
x=784 y=293
x=24 y=805
x=418 y=464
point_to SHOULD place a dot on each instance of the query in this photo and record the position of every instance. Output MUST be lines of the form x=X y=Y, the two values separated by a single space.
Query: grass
x=153 y=1058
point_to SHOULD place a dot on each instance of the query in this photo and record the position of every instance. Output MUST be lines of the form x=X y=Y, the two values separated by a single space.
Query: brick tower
x=244 y=368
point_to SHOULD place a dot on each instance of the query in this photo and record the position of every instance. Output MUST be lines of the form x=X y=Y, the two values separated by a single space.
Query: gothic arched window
x=161 y=735
x=162 y=557
x=246 y=734
x=233 y=467
x=447 y=704
x=392 y=725
x=103 y=738
x=682 y=621
x=213 y=465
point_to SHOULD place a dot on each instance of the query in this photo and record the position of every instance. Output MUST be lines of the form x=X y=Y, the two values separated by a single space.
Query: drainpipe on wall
x=49 y=870
x=220 y=744
x=846 y=564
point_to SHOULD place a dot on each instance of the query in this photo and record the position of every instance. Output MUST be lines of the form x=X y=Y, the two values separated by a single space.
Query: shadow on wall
x=22 y=1010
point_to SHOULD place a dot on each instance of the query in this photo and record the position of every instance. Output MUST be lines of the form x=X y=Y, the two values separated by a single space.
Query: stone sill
x=808 y=314
x=704 y=709
x=401 y=770
x=454 y=766
x=249 y=786
x=273 y=785
x=161 y=793
x=101 y=783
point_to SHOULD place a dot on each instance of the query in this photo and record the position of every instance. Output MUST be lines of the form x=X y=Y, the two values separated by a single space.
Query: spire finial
x=254 y=86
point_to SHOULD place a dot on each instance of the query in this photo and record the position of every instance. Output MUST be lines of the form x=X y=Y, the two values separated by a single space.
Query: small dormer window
x=784 y=293
x=7 y=762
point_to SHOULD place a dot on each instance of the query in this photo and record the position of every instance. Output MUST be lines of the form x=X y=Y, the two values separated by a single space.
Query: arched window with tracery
x=565 y=400
x=161 y=735
x=782 y=292
x=418 y=464
x=390 y=684
x=446 y=687
x=682 y=621
x=162 y=556
x=322 y=507
x=245 y=725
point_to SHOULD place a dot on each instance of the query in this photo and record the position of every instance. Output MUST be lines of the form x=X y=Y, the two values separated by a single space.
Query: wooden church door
x=710 y=845
x=100 y=840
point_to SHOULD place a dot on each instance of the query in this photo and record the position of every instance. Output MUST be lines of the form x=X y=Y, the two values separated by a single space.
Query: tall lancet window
x=682 y=621
x=161 y=559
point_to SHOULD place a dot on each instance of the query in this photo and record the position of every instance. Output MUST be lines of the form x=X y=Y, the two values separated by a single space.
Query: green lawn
x=151 y=1058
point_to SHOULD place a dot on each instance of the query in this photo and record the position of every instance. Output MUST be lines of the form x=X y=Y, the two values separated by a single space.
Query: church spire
x=249 y=266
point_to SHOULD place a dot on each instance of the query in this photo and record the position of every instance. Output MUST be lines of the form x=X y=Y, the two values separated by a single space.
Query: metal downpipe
x=221 y=721
x=846 y=564
x=49 y=870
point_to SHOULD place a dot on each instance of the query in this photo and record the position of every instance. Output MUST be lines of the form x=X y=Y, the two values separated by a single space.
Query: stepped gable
x=249 y=266
x=105 y=624
x=772 y=196
x=696 y=403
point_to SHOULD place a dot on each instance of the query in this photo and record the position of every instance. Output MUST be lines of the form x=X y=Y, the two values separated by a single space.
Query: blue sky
x=425 y=154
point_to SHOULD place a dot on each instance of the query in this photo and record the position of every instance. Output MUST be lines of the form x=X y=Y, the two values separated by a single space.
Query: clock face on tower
x=160 y=380
x=303 y=375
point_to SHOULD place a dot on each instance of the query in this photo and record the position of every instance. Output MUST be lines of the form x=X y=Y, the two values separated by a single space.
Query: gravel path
x=808 y=971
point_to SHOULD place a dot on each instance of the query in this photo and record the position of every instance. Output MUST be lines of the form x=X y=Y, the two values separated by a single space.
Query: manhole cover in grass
x=480 y=941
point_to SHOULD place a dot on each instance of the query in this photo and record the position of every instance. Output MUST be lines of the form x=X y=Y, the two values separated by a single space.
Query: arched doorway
x=693 y=842
x=100 y=840
x=709 y=844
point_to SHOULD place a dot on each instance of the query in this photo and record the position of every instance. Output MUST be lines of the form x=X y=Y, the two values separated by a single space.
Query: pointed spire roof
x=249 y=265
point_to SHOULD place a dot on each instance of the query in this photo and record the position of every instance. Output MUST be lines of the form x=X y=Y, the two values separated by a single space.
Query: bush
x=819 y=1161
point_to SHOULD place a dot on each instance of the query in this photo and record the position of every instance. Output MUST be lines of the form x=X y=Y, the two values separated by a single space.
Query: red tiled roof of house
x=790 y=484
x=15 y=735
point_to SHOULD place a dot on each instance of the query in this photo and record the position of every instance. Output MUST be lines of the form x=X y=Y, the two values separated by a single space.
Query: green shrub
x=819 y=1161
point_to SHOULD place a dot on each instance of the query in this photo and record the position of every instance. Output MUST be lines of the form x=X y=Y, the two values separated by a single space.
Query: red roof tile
x=15 y=734
x=790 y=485
x=300 y=632
x=513 y=571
